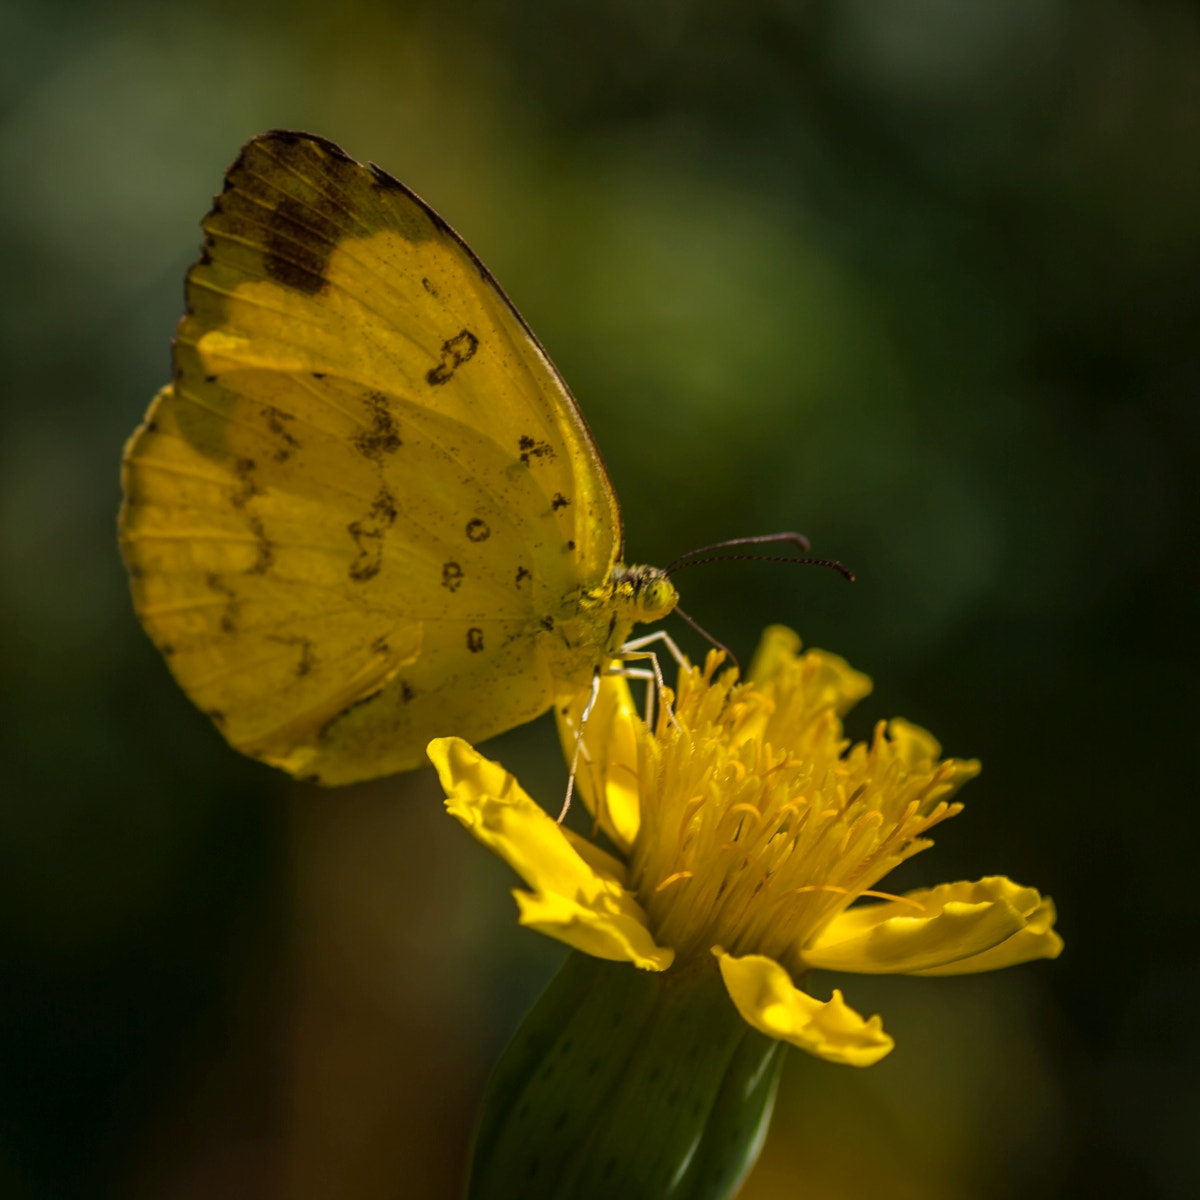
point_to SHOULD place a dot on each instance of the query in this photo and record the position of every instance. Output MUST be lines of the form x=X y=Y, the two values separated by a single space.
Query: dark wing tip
x=295 y=137
x=385 y=181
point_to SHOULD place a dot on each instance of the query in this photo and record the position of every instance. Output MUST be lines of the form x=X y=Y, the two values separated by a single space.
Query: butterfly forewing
x=348 y=515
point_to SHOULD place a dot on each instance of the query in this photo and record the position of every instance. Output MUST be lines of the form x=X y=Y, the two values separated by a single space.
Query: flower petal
x=777 y=650
x=920 y=751
x=579 y=902
x=831 y=681
x=1037 y=940
x=939 y=931
x=603 y=863
x=614 y=931
x=764 y=994
x=607 y=769
x=490 y=803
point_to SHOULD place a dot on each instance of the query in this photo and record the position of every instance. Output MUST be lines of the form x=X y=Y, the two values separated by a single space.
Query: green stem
x=626 y=1083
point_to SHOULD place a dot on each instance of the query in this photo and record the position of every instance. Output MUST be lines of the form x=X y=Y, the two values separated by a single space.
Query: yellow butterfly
x=366 y=511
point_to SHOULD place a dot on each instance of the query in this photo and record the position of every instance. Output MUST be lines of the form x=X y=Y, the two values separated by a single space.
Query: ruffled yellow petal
x=916 y=748
x=607 y=770
x=776 y=651
x=580 y=902
x=939 y=931
x=614 y=931
x=599 y=860
x=764 y=994
x=830 y=681
x=920 y=751
x=1037 y=940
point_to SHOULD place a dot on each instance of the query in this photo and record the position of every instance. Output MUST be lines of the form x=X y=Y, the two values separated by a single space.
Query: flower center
x=759 y=825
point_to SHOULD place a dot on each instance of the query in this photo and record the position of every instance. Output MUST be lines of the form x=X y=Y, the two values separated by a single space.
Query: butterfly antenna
x=795 y=539
x=832 y=563
x=709 y=637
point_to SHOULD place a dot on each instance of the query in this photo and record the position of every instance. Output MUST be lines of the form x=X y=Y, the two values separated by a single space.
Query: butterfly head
x=650 y=593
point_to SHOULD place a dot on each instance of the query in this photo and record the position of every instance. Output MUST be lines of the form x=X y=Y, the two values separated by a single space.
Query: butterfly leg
x=640 y=644
x=630 y=652
x=651 y=682
x=659 y=635
x=583 y=719
x=630 y=655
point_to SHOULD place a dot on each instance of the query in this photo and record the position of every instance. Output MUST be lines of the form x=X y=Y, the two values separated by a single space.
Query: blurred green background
x=921 y=279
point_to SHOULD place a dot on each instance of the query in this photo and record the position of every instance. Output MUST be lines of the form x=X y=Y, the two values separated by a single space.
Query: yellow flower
x=747 y=828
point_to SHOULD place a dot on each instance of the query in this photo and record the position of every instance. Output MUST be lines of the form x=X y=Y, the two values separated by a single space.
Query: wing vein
x=292 y=317
x=296 y=174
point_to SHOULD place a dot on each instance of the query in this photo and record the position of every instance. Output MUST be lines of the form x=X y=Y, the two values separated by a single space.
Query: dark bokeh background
x=920 y=278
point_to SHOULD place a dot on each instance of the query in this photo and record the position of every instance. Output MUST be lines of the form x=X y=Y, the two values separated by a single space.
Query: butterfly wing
x=351 y=516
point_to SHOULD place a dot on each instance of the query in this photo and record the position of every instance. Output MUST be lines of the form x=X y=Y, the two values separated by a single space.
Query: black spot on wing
x=531 y=448
x=477 y=530
x=306 y=658
x=547 y=623
x=383 y=507
x=455 y=351
x=243 y=470
x=523 y=573
x=265 y=548
x=277 y=424
x=474 y=639
x=381 y=436
x=452 y=576
x=215 y=583
x=368 y=537
x=243 y=492
x=369 y=541
x=559 y=501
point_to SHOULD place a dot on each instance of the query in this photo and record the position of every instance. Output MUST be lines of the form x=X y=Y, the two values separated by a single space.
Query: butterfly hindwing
x=349 y=513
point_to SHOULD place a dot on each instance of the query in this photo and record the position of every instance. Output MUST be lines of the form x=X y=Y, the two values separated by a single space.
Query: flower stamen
x=750 y=859
x=844 y=891
x=670 y=879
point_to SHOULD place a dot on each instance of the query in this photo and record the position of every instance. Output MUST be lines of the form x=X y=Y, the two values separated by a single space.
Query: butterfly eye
x=657 y=598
